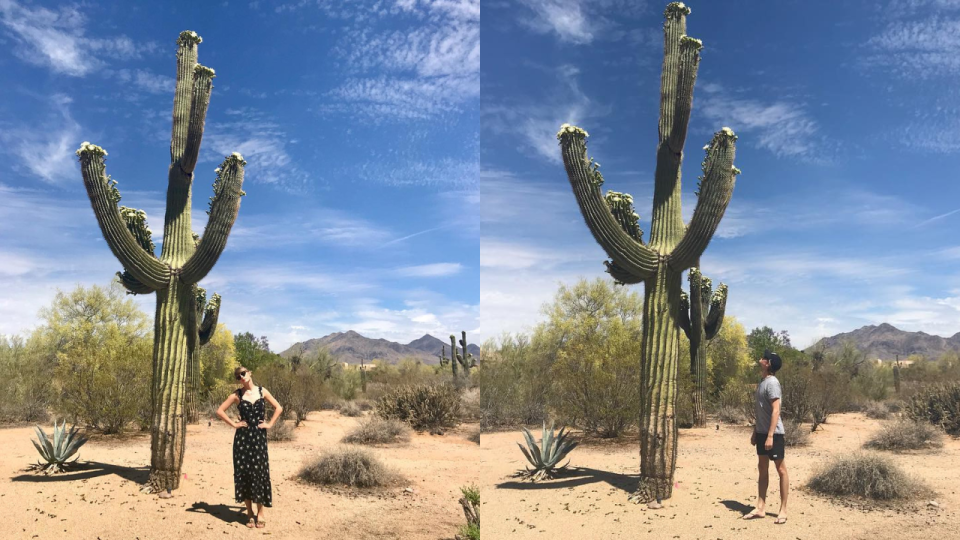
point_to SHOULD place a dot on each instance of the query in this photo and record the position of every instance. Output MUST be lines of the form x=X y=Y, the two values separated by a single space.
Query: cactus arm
x=131 y=284
x=632 y=256
x=202 y=86
x=223 y=213
x=183 y=95
x=674 y=27
x=621 y=276
x=145 y=267
x=210 y=315
x=716 y=188
x=684 y=315
x=718 y=305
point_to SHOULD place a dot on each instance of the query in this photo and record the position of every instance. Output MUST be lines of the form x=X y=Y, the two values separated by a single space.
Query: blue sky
x=848 y=114
x=359 y=122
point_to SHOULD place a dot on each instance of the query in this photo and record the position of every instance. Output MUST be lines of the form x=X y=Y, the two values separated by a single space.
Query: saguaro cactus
x=896 y=375
x=182 y=262
x=701 y=316
x=207 y=313
x=463 y=361
x=671 y=249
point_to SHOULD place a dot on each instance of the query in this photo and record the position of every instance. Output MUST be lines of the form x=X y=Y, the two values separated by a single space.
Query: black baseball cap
x=774 y=359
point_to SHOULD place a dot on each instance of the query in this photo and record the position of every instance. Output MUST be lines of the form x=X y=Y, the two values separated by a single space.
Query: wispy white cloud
x=325 y=226
x=55 y=39
x=262 y=142
x=148 y=81
x=430 y=270
x=427 y=69
x=46 y=149
x=578 y=22
x=787 y=129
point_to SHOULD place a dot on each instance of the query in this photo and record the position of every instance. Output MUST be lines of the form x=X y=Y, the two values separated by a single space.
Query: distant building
x=365 y=367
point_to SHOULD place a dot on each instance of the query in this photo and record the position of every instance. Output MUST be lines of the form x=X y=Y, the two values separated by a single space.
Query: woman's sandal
x=252 y=522
x=261 y=523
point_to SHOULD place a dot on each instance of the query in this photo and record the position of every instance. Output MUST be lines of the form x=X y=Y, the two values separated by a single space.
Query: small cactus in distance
x=701 y=316
x=459 y=360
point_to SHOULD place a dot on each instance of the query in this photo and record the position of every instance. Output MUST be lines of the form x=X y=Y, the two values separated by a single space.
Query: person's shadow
x=223 y=512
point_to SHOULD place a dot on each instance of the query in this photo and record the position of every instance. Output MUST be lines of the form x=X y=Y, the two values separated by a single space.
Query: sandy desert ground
x=104 y=502
x=715 y=484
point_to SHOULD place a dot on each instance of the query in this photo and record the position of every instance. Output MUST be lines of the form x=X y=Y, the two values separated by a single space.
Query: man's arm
x=774 y=418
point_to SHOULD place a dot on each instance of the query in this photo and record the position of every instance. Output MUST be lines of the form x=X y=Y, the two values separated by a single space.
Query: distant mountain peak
x=887 y=342
x=352 y=347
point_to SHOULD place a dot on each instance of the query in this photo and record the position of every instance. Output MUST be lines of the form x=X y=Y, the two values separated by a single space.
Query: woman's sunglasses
x=242 y=373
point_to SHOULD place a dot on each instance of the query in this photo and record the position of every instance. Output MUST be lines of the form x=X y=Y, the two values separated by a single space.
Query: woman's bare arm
x=222 y=412
x=277 y=409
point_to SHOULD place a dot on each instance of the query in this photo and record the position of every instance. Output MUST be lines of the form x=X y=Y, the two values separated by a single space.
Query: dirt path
x=716 y=483
x=104 y=501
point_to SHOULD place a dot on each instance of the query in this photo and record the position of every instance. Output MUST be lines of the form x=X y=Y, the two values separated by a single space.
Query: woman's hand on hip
x=240 y=424
x=265 y=425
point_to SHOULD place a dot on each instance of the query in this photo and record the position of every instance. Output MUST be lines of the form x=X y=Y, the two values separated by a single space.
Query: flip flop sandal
x=752 y=516
x=261 y=524
x=780 y=521
x=252 y=523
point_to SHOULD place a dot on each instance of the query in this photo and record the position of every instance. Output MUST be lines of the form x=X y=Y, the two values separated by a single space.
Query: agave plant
x=545 y=457
x=57 y=451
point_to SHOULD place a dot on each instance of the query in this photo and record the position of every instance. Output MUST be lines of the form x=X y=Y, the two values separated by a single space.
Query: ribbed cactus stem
x=454 y=360
x=466 y=359
x=672 y=247
x=183 y=261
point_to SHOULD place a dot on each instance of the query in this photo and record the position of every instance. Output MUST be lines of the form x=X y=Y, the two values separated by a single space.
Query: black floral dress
x=251 y=465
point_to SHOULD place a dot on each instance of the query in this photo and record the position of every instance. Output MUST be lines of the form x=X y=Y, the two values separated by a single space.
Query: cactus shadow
x=224 y=512
x=84 y=470
x=578 y=476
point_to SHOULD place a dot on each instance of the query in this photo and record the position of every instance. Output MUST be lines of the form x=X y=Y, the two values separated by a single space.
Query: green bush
x=865 y=475
x=26 y=386
x=938 y=405
x=512 y=390
x=905 y=434
x=353 y=467
x=376 y=430
x=424 y=407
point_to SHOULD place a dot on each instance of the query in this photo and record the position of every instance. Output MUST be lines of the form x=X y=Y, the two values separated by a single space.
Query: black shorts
x=778 y=445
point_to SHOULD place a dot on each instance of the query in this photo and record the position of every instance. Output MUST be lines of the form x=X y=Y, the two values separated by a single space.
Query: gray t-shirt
x=767 y=391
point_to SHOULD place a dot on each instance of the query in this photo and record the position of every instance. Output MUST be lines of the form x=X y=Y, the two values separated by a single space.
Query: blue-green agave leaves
x=545 y=456
x=56 y=451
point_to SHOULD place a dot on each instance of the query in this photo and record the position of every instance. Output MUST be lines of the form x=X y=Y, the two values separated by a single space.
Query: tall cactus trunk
x=658 y=386
x=193 y=387
x=171 y=354
x=698 y=371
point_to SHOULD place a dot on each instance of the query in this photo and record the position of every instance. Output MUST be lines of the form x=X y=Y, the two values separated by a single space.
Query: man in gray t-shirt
x=768 y=436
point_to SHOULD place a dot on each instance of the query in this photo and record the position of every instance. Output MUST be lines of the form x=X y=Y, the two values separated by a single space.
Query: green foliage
x=593 y=336
x=471 y=510
x=376 y=430
x=254 y=353
x=348 y=466
x=26 y=388
x=103 y=352
x=218 y=359
x=937 y=404
x=512 y=386
x=764 y=338
x=57 y=451
x=728 y=356
x=425 y=407
x=904 y=434
x=546 y=456
x=865 y=475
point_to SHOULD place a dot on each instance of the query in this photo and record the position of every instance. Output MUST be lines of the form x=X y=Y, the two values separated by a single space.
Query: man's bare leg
x=784 y=490
x=764 y=467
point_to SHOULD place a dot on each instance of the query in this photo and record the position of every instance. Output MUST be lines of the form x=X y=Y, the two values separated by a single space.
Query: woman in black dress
x=251 y=465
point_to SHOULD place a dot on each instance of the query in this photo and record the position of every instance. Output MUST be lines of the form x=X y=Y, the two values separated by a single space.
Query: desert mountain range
x=350 y=347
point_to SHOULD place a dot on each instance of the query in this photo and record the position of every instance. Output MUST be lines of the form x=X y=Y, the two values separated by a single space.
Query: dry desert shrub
x=375 y=430
x=905 y=434
x=937 y=404
x=865 y=475
x=474 y=437
x=352 y=467
x=281 y=431
x=425 y=407
x=795 y=434
x=877 y=411
x=351 y=409
x=729 y=414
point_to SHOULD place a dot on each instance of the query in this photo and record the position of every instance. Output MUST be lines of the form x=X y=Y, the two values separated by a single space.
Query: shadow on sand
x=578 y=476
x=223 y=512
x=90 y=469
x=742 y=509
